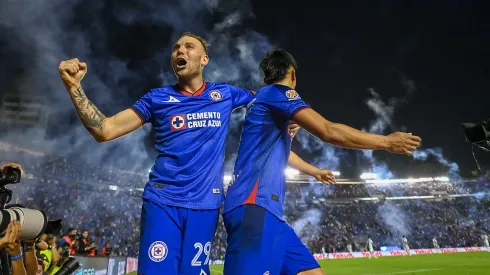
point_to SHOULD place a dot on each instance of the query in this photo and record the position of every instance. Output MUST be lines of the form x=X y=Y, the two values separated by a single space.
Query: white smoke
x=453 y=167
x=394 y=218
x=326 y=156
x=47 y=31
x=308 y=224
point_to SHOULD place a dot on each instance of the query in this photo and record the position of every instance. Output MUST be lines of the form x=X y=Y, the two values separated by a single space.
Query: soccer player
x=349 y=248
x=435 y=244
x=370 y=247
x=485 y=242
x=405 y=245
x=185 y=190
x=259 y=239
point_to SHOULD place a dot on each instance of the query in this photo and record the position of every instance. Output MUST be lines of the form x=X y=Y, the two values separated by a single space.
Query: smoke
x=308 y=225
x=326 y=156
x=127 y=49
x=437 y=153
x=394 y=218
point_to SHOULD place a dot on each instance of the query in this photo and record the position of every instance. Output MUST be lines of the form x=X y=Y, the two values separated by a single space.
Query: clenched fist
x=403 y=143
x=72 y=72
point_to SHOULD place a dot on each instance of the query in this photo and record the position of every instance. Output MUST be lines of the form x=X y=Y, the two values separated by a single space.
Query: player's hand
x=293 y=128
x=403 y=143
x=72 y=72
x=13 y=165
x=325 y=176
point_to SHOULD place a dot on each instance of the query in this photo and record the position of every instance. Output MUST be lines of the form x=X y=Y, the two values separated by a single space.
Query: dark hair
x=276 y=64
x=71 y=229
x=200 y=39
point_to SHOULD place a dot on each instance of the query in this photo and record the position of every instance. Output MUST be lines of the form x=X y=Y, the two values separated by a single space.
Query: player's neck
x=191 y=85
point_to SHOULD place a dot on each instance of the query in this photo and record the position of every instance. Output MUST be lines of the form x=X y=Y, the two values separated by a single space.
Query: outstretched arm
x=322 y=175
x=99 y=126
x=344 y=136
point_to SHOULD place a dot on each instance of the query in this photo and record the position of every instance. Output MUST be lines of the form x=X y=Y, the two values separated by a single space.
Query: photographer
x=85 y=247
x=50 y=255
x=11 y=241
x=30 y=258
x=107 y=250
x=64 y=252
x=71 y=239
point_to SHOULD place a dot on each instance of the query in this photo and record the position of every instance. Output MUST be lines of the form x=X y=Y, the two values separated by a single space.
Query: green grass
x=477 y=263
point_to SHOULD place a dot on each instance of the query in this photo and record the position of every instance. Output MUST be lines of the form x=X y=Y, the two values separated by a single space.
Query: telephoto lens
x=33 y=221
x=69 y=267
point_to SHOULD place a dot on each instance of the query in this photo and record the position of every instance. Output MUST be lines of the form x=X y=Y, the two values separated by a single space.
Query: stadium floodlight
x=409 y=180
x=336 y=173
x=290 y=172
x=368 y=176
x=227 y=178
x=113 y=187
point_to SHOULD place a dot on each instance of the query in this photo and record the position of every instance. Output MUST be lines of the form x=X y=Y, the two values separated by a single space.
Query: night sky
x=440 y=48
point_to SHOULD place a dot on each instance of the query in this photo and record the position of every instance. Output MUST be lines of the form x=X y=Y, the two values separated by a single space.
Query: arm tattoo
x=91 y=117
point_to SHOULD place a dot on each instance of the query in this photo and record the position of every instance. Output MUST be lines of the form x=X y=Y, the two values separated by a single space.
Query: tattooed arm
x=102 y=128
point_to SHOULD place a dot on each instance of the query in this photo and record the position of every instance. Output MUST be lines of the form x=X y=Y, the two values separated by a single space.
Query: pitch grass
x=475 y=263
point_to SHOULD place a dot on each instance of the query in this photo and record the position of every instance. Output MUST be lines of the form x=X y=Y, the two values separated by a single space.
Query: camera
x=477 y=132
x=34 y=222
x=9 y=175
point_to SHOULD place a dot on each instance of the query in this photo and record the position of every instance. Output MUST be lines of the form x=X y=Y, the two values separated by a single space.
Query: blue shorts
x=260 y=243
x=175 y=240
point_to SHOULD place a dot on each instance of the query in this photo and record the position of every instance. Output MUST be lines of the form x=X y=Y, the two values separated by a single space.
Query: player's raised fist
x=403 y=143
x=72 y=72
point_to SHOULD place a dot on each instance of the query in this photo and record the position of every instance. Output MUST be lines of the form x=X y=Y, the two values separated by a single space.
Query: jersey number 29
x=200 y=248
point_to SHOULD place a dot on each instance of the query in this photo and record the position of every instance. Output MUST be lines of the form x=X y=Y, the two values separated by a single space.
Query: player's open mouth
x=180 y=63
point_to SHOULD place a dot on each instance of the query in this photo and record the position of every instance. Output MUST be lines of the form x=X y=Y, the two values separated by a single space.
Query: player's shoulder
x=277 y=91
x=222 y=86
x=219 y=85
x=161 y=90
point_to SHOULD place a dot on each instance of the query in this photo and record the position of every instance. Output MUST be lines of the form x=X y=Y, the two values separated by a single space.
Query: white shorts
x=405 y=247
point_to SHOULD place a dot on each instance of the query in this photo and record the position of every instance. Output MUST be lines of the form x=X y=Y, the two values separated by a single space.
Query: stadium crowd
x=325 y=217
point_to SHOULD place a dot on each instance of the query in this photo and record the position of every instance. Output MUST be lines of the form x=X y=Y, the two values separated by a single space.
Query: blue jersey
x=190 y=134
x=259 y=176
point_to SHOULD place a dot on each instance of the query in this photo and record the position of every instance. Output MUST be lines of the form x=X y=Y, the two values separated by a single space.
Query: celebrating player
x=370 y=247
x=184 y=192
x=259 y=240
x=405 y=245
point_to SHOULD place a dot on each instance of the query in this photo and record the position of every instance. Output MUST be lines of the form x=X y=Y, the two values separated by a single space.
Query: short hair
x=71 y=229
x=199 y=38
x=276 y=64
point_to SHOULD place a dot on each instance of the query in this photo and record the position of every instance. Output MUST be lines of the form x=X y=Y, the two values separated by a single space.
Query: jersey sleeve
x=286 y=102
x=142 y=107
x=240 y=96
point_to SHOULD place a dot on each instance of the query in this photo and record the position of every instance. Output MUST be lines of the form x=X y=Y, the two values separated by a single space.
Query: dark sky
x=343 y=49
